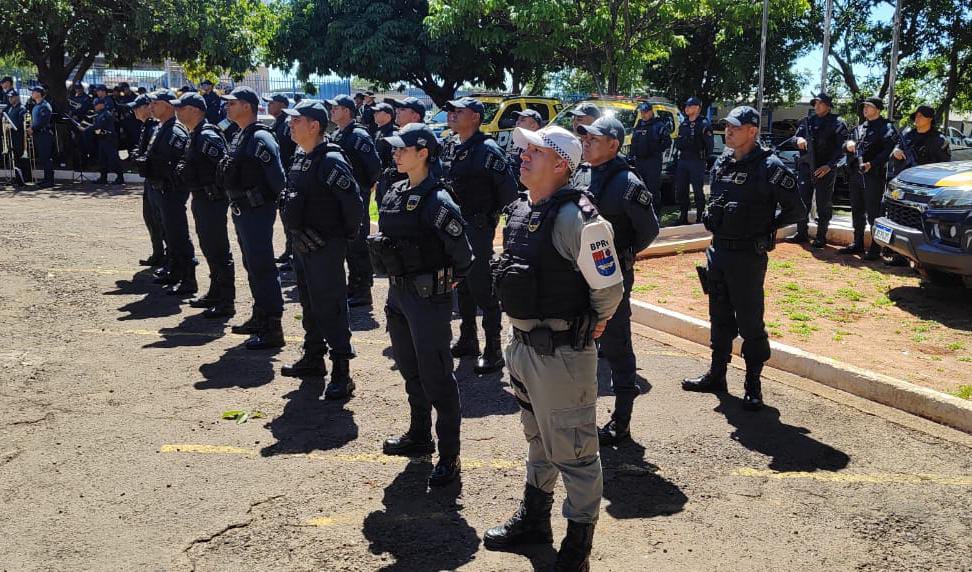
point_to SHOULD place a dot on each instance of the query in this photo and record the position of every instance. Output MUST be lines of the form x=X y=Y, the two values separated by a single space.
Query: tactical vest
x=322 y=211
x=203 y=171
x=471 y=179
x=246 y=172
x=410 y=245
x=623 y=230
x=163 y=151
x=532 y=279
x=741 y=205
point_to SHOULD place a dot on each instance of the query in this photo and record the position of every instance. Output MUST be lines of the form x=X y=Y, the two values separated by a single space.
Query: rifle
x=809 y=158
x=895 y=166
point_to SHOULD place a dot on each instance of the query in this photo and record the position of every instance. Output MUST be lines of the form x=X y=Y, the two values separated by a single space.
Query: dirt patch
x=866 y=314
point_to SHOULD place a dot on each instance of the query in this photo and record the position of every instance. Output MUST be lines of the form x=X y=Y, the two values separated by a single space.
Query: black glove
x=307 y=240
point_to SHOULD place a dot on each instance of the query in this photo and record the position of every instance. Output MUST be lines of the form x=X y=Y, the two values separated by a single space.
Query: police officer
x=80 y=103
x=360 y=148
x=921 y=144
x=128 y=126
x=253 y=177
x=16 y=112
x=816 y=168
x=101 y=90
x=321 y=212
x=484 y=183
x=106 y=134
x=560 y=281
x=868 y=149
x=6 y=84
x=583 y=114
x=367 y=112
x=408 y=110
x=748 y=183
x=276 y=104
x=421 y=245
x=652 y=136
x=198 y=173
x=621 y=198
x=384 y=116
x=531 y=120
x=42 y=131
x=165 y=150
x=214 y=106
x=694 y=144
x=151 y=197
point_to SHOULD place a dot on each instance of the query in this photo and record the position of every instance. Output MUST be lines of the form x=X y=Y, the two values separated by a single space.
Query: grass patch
x=839 y=335
x=792 y=286
x=963 y=392
x=803 y=329
x=955 y=346
x=642 y=288
x=882 y=301
x=850 y=294
x=919 y=338
x=965 y=359
x=780 y=264
x=799 y=316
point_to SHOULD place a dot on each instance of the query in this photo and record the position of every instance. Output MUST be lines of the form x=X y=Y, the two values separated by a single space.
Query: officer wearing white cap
x=421 y=246
x=621 y=198
x=484 y=185
x=694 y=144
x=321 y=212
x=559 y=280
x=749 y=183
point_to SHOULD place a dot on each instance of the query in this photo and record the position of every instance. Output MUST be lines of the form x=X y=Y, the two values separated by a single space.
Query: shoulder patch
x=339 y=180
x=261 y=152
x=412 y=202
x=781 y=177
x=448 y=222
x=361 y=144
x=494 y=161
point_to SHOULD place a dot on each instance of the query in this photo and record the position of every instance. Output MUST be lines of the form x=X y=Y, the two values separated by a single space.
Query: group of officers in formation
x=577 y=212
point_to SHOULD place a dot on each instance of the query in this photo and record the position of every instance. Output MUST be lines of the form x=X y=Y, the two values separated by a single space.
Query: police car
x=499 y=118
x=929 y=220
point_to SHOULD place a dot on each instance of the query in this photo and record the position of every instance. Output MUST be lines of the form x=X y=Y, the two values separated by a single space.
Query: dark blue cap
x=532 y=114
x=586 y=110
x=645 y=106
x=123 y=85
x=39 y=89
x=384 y=107
x=243 y=93
x=417 y=135
x=824 y=98
x=278 y=97
x=140 y=101
x=343 y=100
x=187 y=89
x=743 y=115
x=313 y=108
x=413 y=103
x=470 y=103
x=692 y=101
x=604 y=126
x=12 y=93
x=6 y=78
x=206 y=82
x=164 y=95
x=191 y=99
x=876 y=102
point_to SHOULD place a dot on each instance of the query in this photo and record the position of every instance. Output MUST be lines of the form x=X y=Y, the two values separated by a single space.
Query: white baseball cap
x=563 y=142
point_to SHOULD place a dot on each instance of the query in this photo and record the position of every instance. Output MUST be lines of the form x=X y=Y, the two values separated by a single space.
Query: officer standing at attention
x=198 y=173
x=384 y=115
x=80 y=102
x=16 y=112
x=652 y=136
x=214 y=106
x=253 y=177
x=6 y=84
x=366 y=113
x=868 y=148
x=106 y=134
x=623 y=200
x=151 y=209
x=484 y=184
x=531 y=120
x=827 y=132
x=694 y=144
x=42 y=131
x=560 y=281
x=583 y=114
x=748 y=183
x=321 y=212
x=128 y=126
x=360 y=148
x=421 y=246
x=165 y=150
x=276 y=104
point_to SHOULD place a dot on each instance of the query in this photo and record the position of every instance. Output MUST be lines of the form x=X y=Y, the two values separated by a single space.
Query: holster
x=582 y=330
x=703 y=273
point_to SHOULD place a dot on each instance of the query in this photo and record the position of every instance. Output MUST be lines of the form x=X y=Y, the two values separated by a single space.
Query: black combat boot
x=802 y=235
x=165 y=276
x=154 y=260
x=223 y=297
x=270 y=337
x=614 y=432
x=873 y=251
x=753 y=398
x=820 y=240
x=309 y=364
x=575 y=550
x=446 y=470
x=713 y=381
x=530 y=524
x=468 y=344
x=187 y=285
x=253 y=325
x=414 y=443
x=207 y=300
x=492 y=358
x=341 y=385
x=119 y=179
x=857 y=247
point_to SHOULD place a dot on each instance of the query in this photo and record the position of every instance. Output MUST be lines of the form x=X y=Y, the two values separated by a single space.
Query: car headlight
x=955 y=198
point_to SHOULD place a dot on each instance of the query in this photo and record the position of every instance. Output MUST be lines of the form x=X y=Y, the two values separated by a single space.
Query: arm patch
x=261 y=152
x=637 y=194
x=339 y=180
x=447 y=221
x=361 y=144
x=781 y=177
x=493 y=161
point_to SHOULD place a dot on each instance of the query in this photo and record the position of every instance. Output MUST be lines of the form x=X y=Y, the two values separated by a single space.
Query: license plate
x=882 y=233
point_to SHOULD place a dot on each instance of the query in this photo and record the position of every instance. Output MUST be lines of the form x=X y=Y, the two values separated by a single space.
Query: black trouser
x=476 y=289
x=360 y=274
x=821 y=190
x=420 y=334
x=866 y=194
x=181 y=252
x=650 y=170
x=44 y=153
x=321 y=286
x=616 y=346
x=736 y=303
x=152 y=216
x=108 y=157
x=210 y=217
x=690 y=171
x=254 y=231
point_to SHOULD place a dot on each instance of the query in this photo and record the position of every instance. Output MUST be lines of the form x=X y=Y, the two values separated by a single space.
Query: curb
x=838 y=235
x=62 y=175
x=883 y=389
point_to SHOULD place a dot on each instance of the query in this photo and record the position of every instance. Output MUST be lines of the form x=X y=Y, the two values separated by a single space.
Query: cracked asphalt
x=113 y=455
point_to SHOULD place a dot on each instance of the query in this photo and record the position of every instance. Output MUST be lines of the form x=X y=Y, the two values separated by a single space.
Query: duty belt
x=428 y=284
x=543 y=340
x=752 y=245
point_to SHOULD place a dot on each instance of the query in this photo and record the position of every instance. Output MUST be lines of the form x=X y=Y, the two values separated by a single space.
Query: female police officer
x=421 y=245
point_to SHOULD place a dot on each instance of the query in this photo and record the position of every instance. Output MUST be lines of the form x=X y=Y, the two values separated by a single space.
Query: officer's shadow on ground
x=238 y=367
x=633 y=486
x=362 y=319
x=483 y=395
x=950 y=307
x=193 y=331
x=422 y=528
x=791 y=448
x=155 y=303
x=309 y=423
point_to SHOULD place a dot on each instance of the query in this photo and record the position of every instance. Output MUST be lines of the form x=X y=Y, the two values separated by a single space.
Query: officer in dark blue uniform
x=80 y=103
x=151 y=198
x=42 y=131
x=165 y=150
x=360 y=148
x=198 y=173
x=748 y=184
x=652 y=136
x=101 y=90
x=694 y=144
x=128 y=126
x=816 y=168
x=921 y=144
x=321 y=212
x=484 y=183
x=621 y=198
x=421 y=246
x=106 y=134
x=366 y=113
x=253 y=177
x=214 y=106
x=276 y=104
x=868 y=149
x=16 y=112
x=6 y=84
x=384 y=116
x=530 y=120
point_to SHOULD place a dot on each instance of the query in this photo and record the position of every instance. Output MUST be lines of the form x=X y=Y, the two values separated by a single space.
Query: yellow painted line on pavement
x=876 y=478
x=96 y=270
x=207 y=449
x=157 y=334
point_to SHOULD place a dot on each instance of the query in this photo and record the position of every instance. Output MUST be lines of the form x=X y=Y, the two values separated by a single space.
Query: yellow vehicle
x=499 y=119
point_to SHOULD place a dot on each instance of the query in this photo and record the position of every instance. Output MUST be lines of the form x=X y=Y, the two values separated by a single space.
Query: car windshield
x=627 y=117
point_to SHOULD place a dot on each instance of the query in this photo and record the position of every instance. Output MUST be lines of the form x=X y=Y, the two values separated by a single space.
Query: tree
x=384 y=41
x=62 y=38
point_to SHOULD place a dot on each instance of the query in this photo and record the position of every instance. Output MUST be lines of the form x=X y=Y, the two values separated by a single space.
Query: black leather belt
x=750 y=245
x=543 y=340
